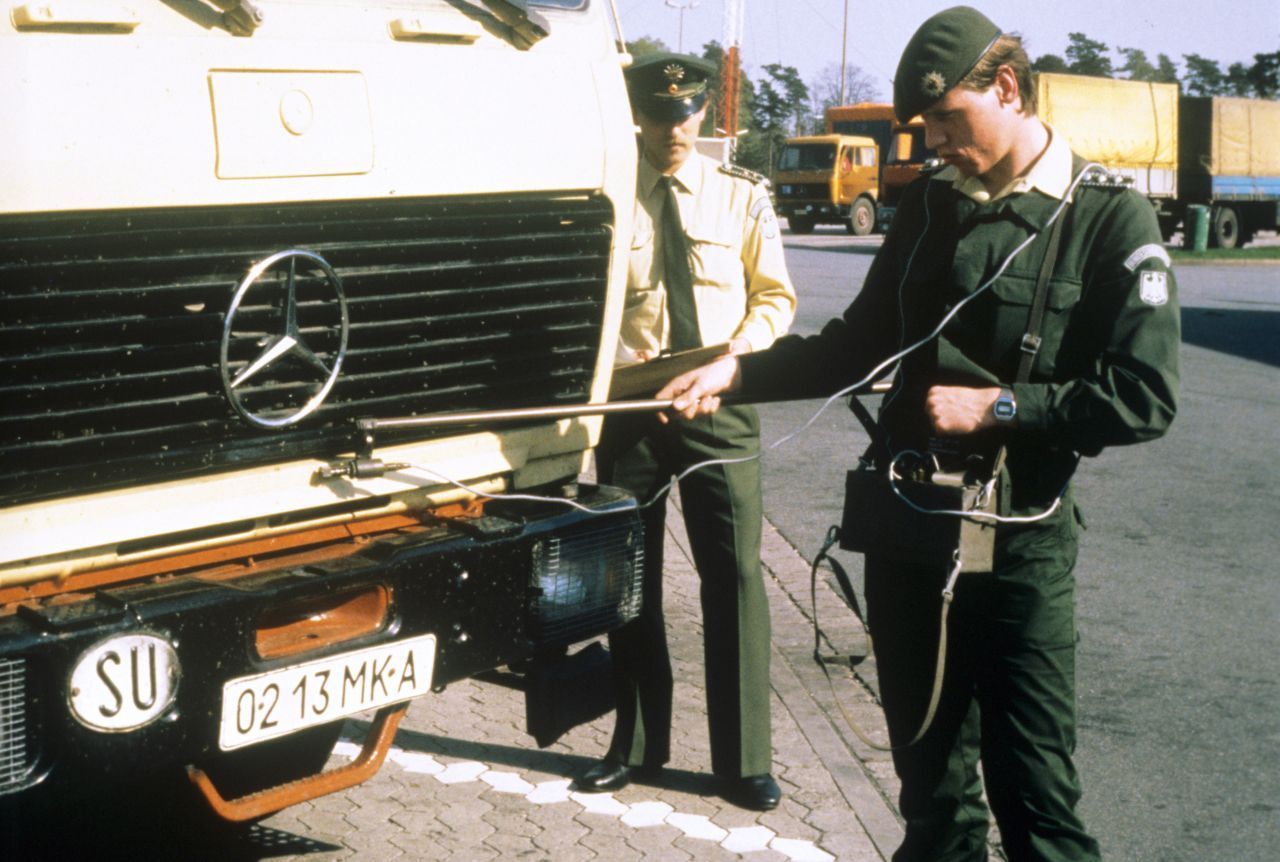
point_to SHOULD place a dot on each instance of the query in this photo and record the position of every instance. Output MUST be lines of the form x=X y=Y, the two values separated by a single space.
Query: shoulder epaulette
x=743 y=174
x=1098 y=177
x=932 y=166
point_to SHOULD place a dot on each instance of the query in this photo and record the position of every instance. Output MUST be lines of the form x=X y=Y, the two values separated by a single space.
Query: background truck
x=231 y=236
x=1219 y=153
x=1229 y=160
x=873 y=120
x=1222 y=153
x=828 y=179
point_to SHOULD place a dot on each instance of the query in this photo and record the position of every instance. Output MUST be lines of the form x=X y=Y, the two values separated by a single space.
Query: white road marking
x=638 y=815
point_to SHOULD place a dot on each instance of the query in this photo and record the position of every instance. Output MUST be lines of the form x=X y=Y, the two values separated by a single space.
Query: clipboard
x=642 y=379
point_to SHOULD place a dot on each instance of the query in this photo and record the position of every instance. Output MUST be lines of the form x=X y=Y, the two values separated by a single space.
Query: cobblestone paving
x=464 y=780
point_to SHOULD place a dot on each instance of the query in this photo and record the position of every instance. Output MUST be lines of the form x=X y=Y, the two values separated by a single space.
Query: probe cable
x=874 y=374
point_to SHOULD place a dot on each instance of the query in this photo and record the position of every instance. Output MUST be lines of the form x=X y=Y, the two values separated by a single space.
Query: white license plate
x=279 y=702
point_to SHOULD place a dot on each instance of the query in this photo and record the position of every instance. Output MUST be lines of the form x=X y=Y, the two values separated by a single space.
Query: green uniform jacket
x=1106 y=374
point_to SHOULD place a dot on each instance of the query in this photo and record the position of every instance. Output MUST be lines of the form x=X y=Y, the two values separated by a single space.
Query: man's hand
x=961 y=410
x=697 y=392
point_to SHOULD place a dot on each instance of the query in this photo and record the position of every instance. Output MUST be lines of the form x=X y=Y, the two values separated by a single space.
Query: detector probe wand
x=365 y=466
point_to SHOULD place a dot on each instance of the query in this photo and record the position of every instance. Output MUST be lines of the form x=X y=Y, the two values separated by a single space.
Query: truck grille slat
x=113 y=322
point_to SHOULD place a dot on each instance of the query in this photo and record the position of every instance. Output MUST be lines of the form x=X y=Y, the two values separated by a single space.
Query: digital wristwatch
x=1005 y=408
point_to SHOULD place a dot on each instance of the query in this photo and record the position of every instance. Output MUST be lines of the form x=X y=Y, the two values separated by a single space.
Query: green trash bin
x=1195 y=227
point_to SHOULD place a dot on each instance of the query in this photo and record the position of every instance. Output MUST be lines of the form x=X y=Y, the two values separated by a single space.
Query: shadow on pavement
x=553 y=762
x=102 y=836
x=1252 y=335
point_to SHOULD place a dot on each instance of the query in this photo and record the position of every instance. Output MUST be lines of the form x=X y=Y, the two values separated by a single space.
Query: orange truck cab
x=907 y=154
x=828 y=179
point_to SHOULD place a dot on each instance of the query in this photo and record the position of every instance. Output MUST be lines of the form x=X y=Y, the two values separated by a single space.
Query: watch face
x=1005 y=407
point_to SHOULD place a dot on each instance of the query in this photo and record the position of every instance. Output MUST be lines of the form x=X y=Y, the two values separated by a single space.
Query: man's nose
x=933 y=136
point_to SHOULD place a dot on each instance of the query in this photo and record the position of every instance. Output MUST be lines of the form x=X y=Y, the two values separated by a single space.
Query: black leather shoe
x=755 y=792
x=611 y=775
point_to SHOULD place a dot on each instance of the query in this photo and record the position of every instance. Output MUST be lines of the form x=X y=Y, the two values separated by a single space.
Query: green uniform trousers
x=1008 y=698
x=722 y=513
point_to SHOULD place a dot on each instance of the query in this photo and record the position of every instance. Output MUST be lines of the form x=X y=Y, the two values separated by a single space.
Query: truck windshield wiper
x=527 y=27
x=240 y=17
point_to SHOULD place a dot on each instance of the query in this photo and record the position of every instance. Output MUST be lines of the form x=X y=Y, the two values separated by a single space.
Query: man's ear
x=1006 y=87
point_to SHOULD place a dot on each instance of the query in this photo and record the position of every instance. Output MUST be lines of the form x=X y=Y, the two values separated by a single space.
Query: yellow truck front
x=231 y=233
x=828 y=179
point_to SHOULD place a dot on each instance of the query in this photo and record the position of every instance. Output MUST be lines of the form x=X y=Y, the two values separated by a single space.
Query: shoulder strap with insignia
x=743 y=174
x=1098 y=177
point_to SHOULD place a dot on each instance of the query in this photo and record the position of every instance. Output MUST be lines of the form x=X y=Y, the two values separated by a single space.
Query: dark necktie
x=677 y=276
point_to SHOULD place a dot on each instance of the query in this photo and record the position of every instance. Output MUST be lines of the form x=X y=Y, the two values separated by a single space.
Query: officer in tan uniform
x=706 y=268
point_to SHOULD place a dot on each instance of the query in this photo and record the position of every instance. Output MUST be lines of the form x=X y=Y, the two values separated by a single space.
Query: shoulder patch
x=1153 y=287
x=1098 y=177
x=743 y=174
x=1144 y=253
x=762 y=212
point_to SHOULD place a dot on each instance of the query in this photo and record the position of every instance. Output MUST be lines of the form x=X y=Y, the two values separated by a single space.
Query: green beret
x=668 y=86
x=939 y=55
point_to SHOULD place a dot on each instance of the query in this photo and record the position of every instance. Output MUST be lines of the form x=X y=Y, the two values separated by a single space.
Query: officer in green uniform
x=968 y=241
x=706 y=268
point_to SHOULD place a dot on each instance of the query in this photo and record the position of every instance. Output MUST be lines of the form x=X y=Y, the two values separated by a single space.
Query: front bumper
x=493 y=591
x=817 y=211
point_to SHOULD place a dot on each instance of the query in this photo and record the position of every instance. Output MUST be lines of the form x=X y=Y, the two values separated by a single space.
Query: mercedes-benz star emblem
x=270 y=405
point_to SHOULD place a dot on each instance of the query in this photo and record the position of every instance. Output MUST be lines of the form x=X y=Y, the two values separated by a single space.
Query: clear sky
x=806 y=33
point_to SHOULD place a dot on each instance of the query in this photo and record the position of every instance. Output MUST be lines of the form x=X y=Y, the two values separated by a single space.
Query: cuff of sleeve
x=1033 y=405
x=748 y=371
x=758 y=335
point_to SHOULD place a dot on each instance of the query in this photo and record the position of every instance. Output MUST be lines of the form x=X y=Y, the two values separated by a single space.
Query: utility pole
x=687 y=4
x=844 y=50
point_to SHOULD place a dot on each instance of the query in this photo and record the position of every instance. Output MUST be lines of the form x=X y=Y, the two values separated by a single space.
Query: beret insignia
x=933 y=85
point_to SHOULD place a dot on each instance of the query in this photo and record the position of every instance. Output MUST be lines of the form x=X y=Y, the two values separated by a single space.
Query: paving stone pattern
x=464 y=780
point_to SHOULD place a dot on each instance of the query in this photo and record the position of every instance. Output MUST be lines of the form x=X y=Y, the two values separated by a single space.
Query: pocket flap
x=1016 y=290
x=702 y=235
x=642 y=236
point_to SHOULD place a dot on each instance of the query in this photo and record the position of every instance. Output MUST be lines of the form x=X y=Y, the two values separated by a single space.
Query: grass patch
x=1217 y=255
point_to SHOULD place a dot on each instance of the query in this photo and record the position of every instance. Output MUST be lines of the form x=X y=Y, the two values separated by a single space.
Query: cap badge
x=933 y=84
x=674 y=74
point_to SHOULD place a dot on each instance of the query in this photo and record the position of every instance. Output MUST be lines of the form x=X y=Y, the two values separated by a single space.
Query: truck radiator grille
x=16 y=755
x=587 y=582
x=111 y=328
x=820 y=191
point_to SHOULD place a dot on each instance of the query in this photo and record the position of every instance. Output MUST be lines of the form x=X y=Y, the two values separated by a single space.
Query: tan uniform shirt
x=740 y=281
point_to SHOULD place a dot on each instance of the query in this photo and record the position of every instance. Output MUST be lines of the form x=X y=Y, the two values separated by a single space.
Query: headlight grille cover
x=16 y=753
x=588 y=582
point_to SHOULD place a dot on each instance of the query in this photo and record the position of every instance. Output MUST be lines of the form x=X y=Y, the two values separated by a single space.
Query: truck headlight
x=586 y=583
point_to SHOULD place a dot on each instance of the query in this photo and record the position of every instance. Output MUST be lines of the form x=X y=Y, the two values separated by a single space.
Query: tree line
x=777 y=102
x=1200 y=76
